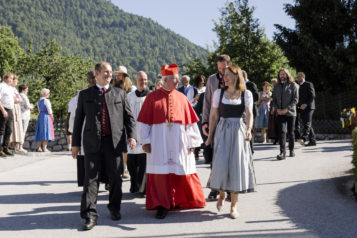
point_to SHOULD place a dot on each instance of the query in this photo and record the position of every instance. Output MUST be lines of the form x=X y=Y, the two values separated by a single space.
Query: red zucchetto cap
x=171 y=69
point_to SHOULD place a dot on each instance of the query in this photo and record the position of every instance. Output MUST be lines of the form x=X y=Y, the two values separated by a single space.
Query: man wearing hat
x=122 y=80
x=169 y=134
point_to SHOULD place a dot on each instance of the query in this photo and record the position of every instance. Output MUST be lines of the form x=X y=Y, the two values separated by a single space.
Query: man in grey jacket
x=285 y=98
x=214 y=82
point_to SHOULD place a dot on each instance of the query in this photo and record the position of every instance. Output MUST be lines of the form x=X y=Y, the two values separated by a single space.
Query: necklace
x=231 y=96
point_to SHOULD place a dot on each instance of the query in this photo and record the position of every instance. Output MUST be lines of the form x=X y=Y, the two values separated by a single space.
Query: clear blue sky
x=193 y=19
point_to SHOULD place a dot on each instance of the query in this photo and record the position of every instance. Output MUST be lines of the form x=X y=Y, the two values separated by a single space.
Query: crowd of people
x=15 y=116
x=153 y=135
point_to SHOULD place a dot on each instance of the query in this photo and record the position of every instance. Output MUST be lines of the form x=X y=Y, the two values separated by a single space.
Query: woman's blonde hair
x=237 y=72
x=124 y=84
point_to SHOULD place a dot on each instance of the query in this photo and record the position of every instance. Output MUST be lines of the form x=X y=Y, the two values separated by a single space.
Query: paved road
x=306 y=196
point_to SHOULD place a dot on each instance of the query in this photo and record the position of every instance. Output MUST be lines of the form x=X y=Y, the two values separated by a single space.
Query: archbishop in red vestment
x=168 y=125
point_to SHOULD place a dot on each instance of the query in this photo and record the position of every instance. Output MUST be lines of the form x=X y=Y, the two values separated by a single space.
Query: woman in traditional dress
x=44 y=125
x=232 y=169
x=26 y=108
x=17 y=135
x=263 y=103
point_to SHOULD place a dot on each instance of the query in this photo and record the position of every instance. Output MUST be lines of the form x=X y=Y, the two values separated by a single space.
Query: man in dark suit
x=108 y=118
x=187 y=89
x=306 y=105
x=252 y=87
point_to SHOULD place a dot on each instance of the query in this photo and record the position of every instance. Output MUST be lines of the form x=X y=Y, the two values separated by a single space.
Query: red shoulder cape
x=160 y=104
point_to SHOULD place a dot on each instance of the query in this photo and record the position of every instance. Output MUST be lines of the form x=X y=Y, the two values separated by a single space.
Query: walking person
x=17 y=136
x=272 y=122
x=214 y=82
x=26 y=108
x=137 y=156
x=265 y=97
x=306 y=105
x=252 y=87
x=285 y=98
x=7 y=103
x=108 y=124
x=169 y=134
x=44 y=127
x=122 y=80
x=232 y=169
x=187 y=89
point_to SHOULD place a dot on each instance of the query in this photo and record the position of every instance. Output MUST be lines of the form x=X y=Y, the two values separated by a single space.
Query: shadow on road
x=40 y=183
x=324 y=207
x=59 y=211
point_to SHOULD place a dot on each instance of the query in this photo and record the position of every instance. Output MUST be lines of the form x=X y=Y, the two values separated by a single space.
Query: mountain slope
x=99 y=30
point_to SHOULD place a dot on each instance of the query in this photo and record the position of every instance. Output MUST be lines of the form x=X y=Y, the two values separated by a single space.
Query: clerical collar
x=165 y=89
x=100 y=87
x=143 y=93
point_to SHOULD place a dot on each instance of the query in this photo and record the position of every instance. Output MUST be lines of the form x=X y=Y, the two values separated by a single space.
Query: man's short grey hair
x=186 y=77
x=169 y=76
x=45 y=91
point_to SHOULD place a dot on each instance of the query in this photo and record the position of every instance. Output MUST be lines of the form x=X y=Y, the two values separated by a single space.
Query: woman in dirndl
x=44 y=126
x=232 y=168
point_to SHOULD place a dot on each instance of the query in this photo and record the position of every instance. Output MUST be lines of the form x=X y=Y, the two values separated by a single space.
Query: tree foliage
x=47 y=68
x=98 y=30
x=241 y=37
x=10 y=50
x=324 y=42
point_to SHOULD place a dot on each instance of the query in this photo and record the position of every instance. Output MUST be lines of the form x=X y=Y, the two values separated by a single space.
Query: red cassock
x=168 y=122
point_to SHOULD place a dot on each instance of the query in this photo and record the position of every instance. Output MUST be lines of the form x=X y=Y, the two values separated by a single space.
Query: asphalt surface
x=306 y=196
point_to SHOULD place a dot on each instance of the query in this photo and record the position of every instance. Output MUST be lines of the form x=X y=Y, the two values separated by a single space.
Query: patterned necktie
x=105 y=123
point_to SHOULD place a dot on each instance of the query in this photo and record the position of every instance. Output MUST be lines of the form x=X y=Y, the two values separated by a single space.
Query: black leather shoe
x=115 y=215
x=281 y=156
x=8 y=153
x=212 y=195
x=134 y=188
x=2 y=154
x=292 y=154
x=107 y=186
x=89 y=224
x=161 y=213
x=311 y=143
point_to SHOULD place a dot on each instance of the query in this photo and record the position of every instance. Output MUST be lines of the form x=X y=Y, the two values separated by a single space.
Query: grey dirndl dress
x=232 y=168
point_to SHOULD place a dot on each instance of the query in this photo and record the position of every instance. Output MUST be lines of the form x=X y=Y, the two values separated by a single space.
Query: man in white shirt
x=7 y=101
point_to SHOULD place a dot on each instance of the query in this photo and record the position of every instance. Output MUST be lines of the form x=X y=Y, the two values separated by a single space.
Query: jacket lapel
x=109 y=100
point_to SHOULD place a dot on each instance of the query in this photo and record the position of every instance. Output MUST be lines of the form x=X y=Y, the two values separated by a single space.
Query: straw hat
x=121 y=70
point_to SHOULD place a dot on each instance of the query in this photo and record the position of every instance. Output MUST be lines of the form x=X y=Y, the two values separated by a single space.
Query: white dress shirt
x=7 y=94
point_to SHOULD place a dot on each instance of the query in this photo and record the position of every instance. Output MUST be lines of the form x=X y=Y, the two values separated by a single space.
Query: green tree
x=323 y=43
x=241 y=37
x=10 y=50
x=63 y=75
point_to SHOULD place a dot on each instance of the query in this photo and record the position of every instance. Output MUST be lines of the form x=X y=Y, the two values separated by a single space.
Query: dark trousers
x=5 y=129
x=308 y=131
x=286 y=125
x=107 y=161
x=137 y=167
x=297 y=125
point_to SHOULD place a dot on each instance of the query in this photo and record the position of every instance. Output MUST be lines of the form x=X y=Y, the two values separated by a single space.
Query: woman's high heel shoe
x=220 y=204
x=234 y=214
